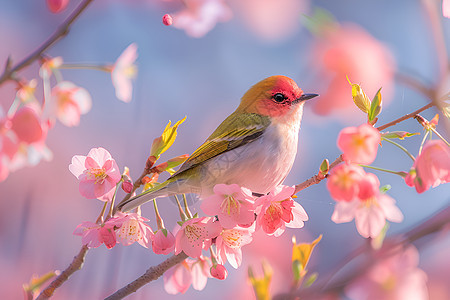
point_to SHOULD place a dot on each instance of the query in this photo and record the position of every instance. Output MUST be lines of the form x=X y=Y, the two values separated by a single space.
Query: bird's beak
x=305 y=97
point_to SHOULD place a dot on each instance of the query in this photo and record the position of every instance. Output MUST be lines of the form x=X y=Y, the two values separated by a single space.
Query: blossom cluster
x=357 y=193
x=24 y=127
x=233 y=215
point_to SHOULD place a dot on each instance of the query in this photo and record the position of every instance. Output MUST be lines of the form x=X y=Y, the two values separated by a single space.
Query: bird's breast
x=260 y=165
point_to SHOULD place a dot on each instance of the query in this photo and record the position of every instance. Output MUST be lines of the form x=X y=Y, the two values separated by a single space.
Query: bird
x=254 y=147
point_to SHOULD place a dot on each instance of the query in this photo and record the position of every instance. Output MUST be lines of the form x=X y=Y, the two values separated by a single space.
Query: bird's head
x=275 y=97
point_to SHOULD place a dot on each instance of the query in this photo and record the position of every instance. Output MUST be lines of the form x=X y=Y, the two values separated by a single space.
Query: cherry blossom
x=446 y=8
x=134 y=229
x=123 y=71
x=232 y=204
x=431 y=167
x=93 y=235
x=195 y=234
x=349 y=50
x=190 y=271
x=178 y=279
x=229 y=243
x=69 y=102
x=370 y=209
x=200 y=16
x=278 y=210
x=359 y=144
x=343 y=182
x=98 y=174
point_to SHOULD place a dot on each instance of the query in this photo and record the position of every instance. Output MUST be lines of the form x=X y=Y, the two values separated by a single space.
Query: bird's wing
x=233 y=132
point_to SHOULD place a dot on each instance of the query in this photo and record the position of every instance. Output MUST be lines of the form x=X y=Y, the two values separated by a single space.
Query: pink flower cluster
x=356 y=192
x=122 y=228
x=99 y=176
x=358 y=197
x=235 y=208
x=22 y=138
x=23 y=130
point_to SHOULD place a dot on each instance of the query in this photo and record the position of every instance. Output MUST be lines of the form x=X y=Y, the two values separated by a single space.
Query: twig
x=74 y=266
x=62 y=30
x=151 y=274
x=407 y=116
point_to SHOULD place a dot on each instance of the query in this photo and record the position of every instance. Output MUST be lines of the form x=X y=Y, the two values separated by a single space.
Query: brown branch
x=74 y=266
x=151 y=274
x=407 y=116
x=63 y=30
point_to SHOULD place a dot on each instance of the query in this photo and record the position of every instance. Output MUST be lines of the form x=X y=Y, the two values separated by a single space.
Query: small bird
x=254 y=147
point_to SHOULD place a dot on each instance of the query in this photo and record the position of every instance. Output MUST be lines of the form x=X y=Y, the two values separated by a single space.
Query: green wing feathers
x=236 y=130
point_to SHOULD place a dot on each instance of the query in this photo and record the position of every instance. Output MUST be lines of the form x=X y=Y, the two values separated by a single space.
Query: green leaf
x=311 y=279
x=385 y=188
x=397 y=134
x=375 y=106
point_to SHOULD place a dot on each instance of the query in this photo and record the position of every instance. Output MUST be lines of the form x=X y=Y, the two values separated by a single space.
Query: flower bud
x=359 y=97
x=219 y=271
x=167 y=20
x=324 y=167
x=57 y=6
x=127 y=186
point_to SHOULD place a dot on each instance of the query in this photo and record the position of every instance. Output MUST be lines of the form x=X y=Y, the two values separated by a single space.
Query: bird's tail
x=156 y=192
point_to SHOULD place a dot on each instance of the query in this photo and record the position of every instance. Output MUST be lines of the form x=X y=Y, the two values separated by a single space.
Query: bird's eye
x=278 y=97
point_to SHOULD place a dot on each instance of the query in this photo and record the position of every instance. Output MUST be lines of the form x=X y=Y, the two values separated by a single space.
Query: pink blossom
x=259 y=17
x=22 y=138
x=163 y=242
x=93 y=235
x=134 y=229
x=343 y=182
x=178 y=279
x=123 y=71
x=370 y=208
x=98 y=174
x=57 y=6
x=27 y=125
x=190 y=271
x=219 y=271
x=232 y=204
x=49 y=65
x=431 y=168
x=229 y=243
x=69 y=102
x=392 y=278
x=278 y=210
x=200 y=271
x=359 y=144
x=446 y=8
x=349 y=50
x=167 y=20
x=200 y=16
x=195 y=234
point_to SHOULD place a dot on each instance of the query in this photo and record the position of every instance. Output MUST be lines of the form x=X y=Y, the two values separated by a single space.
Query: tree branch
x=407 y=116
x=151 y=274
x=62 y=30
x=74 y=266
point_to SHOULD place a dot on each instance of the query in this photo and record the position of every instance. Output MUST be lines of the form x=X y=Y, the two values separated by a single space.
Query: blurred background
x=201 y=72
